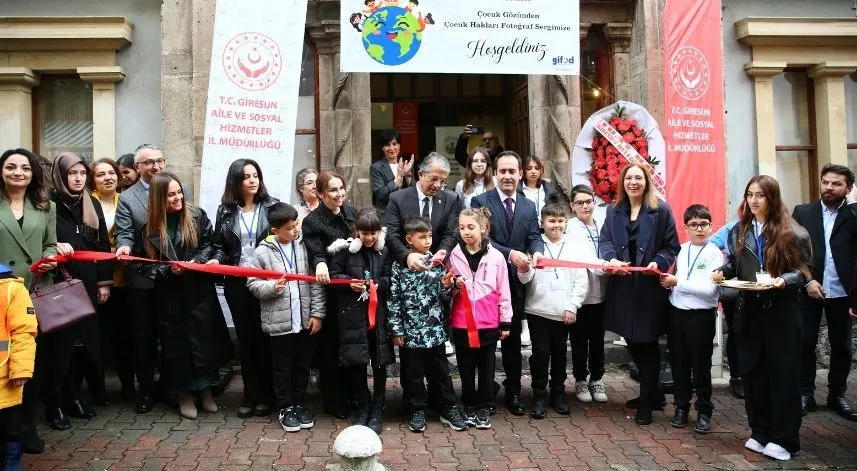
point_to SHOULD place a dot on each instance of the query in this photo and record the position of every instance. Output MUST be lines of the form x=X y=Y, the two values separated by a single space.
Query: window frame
x=36 y=102
x=811 y=149
x=316 y=118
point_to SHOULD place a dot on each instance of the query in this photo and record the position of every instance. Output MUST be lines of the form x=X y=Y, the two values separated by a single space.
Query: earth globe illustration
x=390 y=35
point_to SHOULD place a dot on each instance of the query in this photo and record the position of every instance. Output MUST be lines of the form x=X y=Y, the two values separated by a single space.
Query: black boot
x=361 y=414
x=376 y=416
x=539 y=410
x=33 y=444
x=57 y=419
x=76 y=409
x=11 y=458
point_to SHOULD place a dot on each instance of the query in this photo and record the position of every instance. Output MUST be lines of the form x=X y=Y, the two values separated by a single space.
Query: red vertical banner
x=406 y=118
x=693 y=107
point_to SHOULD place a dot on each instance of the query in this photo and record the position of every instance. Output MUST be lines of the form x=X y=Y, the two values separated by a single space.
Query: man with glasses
x=429 y=199
x=131 y=216
x=490 y=141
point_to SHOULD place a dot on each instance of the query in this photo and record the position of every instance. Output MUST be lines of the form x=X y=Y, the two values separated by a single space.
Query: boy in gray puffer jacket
x=291 y=312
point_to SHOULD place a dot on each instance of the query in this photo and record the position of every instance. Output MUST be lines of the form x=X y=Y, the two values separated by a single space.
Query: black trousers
x=358 y=382
x=116 y=338
x=291 y=357
x=691 y=342
x=12 y=424
x=53 y=357
x=511 y=347
x=732 y=356
x=772 y=382
x=839 y=336
x=647 y=357
x=331 y=377
x=254 y=345
x=587 y=343
x=476 y=363
x=83 y=365
x=144 y=322
x=429 y=364
x=549 y=340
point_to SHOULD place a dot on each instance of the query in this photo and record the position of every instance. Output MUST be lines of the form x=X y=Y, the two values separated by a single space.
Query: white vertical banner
x=253 y=93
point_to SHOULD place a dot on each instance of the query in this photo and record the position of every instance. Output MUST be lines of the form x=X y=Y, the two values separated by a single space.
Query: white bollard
x=357 y=448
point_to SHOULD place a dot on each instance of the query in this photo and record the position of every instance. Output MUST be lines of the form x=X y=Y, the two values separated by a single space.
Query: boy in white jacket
x=554 y=296
x=692 y=318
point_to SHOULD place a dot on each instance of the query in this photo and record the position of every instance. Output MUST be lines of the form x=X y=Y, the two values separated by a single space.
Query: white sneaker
x=449 y=349
x=525 y=334
x=596 y=388
x=776 y=452
x=583 y=394
x=753 y=445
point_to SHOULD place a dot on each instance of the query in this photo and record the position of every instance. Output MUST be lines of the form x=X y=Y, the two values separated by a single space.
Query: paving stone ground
x=593 y=437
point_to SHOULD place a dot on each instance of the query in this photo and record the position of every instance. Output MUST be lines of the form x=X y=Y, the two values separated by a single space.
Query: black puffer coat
x=353 y=313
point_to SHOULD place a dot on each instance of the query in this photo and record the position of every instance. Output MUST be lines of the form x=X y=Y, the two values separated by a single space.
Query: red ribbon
x=373 y=303
x=546 y=262
x=469 y=319
x=226 y=270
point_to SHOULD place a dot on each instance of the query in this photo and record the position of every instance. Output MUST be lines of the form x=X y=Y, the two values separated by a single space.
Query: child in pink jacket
x=481 y=269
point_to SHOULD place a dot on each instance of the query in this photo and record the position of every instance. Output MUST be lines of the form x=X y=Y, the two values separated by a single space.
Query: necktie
x=510 y=213
x=426 y=203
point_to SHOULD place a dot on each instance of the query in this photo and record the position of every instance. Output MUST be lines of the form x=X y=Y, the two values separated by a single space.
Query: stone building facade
x=103 y=77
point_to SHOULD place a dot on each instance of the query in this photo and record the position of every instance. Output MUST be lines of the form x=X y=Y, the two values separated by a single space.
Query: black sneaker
x=304 y=416
x=452 y=417
x=559 y=403
x=361 y=414
x=418 y=421
x=539 y=410
x=483 y=419
x=469 y=414
x=376 y=417
x=289 y=419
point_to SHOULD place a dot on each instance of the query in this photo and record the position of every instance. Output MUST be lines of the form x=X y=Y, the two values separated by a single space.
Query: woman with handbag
x=69 y=351
x=27 y=234
x=242 y=223
x=195 y=342
x=104 y=183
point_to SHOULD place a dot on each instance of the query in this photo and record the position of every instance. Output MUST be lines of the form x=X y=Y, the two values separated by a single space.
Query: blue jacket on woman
x=636 y=305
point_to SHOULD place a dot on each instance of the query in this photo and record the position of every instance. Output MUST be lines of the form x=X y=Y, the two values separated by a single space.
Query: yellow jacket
x=18 y=328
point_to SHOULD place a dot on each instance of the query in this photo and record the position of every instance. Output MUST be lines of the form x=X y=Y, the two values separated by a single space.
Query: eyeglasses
x=149 y=163
x=696 y=227
x=583 y=203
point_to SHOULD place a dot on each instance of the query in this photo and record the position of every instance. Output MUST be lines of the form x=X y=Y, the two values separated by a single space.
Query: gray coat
x=276 y=307
x=131 y=216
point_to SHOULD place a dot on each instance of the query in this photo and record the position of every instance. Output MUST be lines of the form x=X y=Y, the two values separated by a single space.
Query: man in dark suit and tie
x=131 y=216
x=514 y=232
x=832 y=227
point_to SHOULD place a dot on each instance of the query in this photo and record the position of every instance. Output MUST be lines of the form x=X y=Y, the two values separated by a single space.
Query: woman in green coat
x=27 y=234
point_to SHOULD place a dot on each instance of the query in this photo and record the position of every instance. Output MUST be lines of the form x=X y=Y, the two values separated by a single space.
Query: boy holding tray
x=692 y=318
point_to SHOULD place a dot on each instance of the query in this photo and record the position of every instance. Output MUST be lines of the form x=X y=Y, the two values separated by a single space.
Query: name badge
x=763 y=277
x=558 y=284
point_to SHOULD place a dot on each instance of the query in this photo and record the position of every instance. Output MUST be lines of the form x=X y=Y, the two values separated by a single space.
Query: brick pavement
x=593 y=437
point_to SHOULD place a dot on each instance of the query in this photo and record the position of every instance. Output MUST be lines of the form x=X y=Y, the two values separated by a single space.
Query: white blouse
x=478 y=189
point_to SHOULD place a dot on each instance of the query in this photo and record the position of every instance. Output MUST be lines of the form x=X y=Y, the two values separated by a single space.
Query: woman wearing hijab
x=80 y=226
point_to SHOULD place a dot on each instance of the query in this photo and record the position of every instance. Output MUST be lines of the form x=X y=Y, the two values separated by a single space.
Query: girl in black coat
x=330 y=221
x=768 y=245
x=193 y=333
x=639 y=231
x=242 y=223
x=364 y=258
x=80 y=226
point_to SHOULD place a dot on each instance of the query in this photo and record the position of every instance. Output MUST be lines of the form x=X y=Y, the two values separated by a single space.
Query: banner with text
x=693 y=107
x=253 y=93
x=540 y=37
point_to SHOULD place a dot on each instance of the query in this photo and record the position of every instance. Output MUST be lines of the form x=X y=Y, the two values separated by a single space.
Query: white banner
x=540 y=37
x=253 y=93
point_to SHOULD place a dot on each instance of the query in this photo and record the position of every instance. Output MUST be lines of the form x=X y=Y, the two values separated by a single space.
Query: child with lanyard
x=692 y=317
x=291 y=312
x=587 y=334
x=554 y=296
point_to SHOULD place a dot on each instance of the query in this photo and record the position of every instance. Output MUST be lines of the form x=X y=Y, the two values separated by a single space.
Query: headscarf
x=59 y=175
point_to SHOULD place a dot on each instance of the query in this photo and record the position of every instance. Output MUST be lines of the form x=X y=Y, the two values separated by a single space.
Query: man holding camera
x=490 y=141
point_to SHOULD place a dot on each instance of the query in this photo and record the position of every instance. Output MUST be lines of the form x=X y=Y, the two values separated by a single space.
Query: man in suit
x=514 y=232
x=429 y=199
x=391 y=173
x=832 y=227
x=131 y=216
